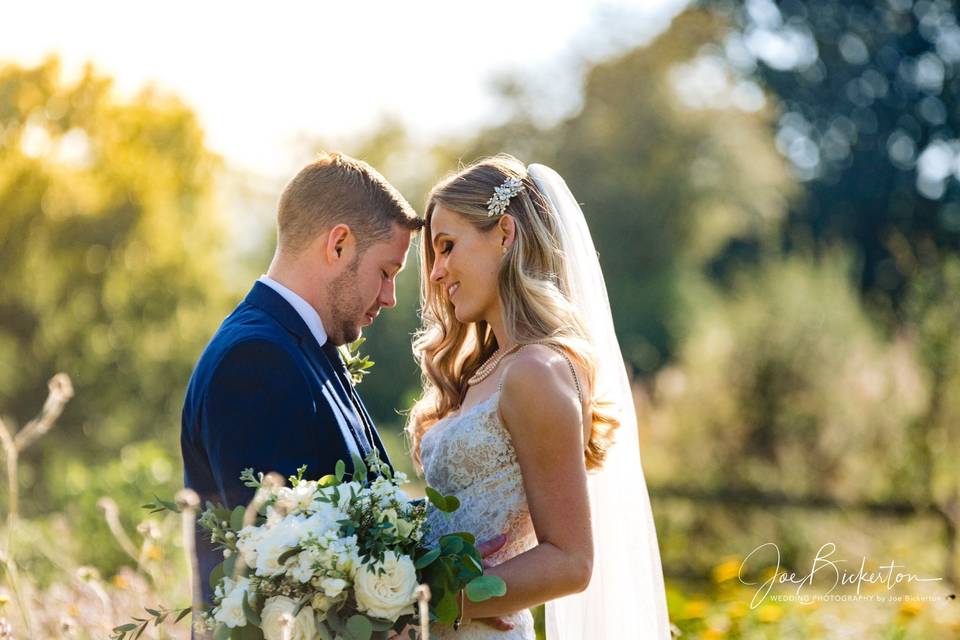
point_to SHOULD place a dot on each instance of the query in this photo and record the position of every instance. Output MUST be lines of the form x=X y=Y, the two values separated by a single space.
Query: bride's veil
x=626 y=597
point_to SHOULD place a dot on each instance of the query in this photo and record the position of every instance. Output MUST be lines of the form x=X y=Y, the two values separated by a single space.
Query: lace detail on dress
x=470 y=455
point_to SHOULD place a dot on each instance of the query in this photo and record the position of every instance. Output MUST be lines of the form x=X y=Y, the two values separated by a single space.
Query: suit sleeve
x=259 y=412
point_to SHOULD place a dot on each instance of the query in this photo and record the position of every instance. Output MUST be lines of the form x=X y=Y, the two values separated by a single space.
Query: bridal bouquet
x=335 y=558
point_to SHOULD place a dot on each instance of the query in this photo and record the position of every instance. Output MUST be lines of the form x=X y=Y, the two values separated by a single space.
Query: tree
x=109 y=248
x=871 y=122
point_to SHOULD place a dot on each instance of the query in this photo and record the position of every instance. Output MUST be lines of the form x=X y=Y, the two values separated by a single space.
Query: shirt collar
x=303 y=308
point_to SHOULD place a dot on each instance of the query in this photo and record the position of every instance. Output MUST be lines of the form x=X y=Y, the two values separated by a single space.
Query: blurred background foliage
x=773 y=189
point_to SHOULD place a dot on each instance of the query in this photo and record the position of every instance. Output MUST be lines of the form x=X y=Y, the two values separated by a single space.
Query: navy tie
x=332 y=353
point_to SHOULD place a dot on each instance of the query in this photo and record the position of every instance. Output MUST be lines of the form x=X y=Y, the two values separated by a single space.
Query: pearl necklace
x=490 y=365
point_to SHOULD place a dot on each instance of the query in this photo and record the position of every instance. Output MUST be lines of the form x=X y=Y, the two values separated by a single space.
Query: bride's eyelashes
x=446 y=248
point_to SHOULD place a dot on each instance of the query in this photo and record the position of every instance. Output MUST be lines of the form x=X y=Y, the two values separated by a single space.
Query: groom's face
x=367 y=285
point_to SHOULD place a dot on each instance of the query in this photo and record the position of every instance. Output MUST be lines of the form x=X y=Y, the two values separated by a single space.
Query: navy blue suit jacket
x=264 y=395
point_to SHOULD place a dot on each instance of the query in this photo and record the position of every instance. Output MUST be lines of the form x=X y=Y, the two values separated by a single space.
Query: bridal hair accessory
x=497 y=205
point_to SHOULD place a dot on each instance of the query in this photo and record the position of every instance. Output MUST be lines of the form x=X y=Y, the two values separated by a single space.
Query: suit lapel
x=344 y=409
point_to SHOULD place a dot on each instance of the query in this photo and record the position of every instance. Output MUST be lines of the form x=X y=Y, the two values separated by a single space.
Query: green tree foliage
x=109 y=250
x=784 y=384
x=870 y=120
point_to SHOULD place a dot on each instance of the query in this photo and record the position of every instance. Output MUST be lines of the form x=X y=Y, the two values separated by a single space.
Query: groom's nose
x=388 y=294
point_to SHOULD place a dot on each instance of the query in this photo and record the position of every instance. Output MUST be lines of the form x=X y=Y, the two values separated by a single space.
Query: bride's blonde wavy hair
x=533 y=291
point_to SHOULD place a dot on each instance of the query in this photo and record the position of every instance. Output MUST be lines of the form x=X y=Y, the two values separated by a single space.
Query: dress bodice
x=469 y=454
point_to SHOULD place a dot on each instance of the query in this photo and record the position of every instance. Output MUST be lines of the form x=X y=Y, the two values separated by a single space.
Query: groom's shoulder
x=246 y=333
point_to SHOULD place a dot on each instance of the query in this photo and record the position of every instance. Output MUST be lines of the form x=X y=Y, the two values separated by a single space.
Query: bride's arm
x=540 y=407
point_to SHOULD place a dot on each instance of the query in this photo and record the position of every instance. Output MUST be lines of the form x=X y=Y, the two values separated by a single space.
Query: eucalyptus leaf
x=216 y=575
x=229 y=564
x=248 y=612
x=359 y=627
x=485 y=587
x=328 y=480
x=221 y=632
x=447 y=609
x=427 y=558
x=380 y=625
x=236 y=517
x=340 y=470
x=469 y=538
x=324 y=632
x=249 y=632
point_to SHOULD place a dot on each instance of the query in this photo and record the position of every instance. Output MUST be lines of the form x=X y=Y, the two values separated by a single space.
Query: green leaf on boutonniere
x=357 y=365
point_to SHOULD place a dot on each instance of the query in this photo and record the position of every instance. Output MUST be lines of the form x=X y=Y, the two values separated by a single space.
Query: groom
x=270 y=390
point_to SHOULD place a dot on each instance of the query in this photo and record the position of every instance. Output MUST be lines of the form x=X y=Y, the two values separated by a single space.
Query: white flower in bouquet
x=296 y=499
x=387 y=494
x=248 y=539
x=272 y=624
x=331 y=591
x=336 y=554
x=403 y=526
x=325 y=517
x=304 y=568
x=333 y=587
x=275 y=541
x=389 y=593
x=230 y=610
x=343 y=494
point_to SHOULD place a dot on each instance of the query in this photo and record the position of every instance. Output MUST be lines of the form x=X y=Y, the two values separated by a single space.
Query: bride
x=527 y=414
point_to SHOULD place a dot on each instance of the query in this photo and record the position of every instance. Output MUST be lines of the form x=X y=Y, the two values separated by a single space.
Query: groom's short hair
x=337 y=189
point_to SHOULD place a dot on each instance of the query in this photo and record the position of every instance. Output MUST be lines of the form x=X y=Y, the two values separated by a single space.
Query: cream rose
x=272 y=620
x=390 y=594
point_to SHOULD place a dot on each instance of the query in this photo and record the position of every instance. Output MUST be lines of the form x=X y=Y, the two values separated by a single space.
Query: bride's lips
x=452 y=289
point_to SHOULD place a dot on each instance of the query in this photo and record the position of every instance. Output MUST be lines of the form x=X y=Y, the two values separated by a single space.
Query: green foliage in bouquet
x=452 y=565
x=338 y=557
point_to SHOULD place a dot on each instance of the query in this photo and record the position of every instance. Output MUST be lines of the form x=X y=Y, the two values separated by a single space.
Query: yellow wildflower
x=769 y=613
x=695 y=609
x=725 y=571
x=910 y=608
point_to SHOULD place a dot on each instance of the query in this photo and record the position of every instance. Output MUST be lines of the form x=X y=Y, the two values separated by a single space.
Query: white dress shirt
x=312 y=319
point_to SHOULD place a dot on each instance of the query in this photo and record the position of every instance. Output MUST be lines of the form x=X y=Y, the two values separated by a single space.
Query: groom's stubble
x=345 y=305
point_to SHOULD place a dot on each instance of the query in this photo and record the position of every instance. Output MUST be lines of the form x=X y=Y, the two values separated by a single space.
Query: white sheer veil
x=626 y=596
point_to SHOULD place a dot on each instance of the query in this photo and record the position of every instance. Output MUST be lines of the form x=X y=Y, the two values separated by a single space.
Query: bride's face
x=466 y=263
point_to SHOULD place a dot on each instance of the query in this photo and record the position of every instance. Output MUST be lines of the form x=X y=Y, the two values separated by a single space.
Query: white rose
x=271 y=620
x=275 y=542
x=230 y=611
x=390 y=594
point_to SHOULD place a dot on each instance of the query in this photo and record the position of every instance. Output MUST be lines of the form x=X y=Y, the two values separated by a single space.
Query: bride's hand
x=487 y=549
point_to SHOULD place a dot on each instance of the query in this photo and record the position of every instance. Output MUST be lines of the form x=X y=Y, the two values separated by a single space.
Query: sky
x=264 y=77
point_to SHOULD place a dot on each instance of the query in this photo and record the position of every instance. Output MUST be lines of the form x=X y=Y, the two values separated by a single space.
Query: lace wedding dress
x=470 y=455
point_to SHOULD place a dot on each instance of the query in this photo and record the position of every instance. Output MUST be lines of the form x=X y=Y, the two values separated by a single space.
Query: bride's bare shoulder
x=538 y=380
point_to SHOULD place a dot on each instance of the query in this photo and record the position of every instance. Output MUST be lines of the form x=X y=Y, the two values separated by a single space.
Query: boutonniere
x=357 y=365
